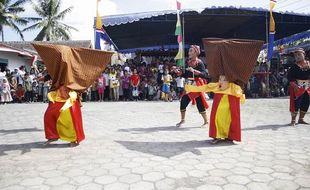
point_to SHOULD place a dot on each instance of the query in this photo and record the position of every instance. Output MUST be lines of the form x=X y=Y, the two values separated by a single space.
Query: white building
x=14 y=58
x=18 y=53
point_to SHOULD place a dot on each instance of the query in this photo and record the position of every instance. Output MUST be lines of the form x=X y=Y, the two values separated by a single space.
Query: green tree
x=9 y=11
x=50 y=21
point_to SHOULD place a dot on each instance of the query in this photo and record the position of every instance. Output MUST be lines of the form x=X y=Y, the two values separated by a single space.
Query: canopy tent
x=292 y=38
x=155 y=30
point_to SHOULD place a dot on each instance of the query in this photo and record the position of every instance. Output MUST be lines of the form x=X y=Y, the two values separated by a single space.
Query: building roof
x=151 y=30
x=112 y=20
x=26 y=45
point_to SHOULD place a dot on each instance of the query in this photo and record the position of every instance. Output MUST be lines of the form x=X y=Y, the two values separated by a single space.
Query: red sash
x=296 y=91
x=194 y=95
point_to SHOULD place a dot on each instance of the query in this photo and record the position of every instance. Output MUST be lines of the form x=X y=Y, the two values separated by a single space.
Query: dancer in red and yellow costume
x=230 y=62
x=63 y=117
x=72 y=71
x=225 y=113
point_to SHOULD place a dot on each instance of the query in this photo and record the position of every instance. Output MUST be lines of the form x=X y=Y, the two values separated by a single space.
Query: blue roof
x=112 y=20
x=292 y=38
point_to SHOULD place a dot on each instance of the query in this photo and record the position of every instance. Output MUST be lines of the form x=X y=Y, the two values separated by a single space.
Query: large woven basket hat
x=75 y=68
x=234 y=58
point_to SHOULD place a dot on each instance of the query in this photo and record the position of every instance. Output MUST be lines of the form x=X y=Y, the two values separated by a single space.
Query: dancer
x=230 y=62
x=196 y=72
x=299 y=77
x=72 y=71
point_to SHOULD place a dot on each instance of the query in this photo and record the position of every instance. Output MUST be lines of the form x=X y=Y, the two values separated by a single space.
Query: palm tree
x=49 y=23
x=9 y=11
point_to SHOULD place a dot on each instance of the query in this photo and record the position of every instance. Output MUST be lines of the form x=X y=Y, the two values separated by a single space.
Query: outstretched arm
x=204 y=88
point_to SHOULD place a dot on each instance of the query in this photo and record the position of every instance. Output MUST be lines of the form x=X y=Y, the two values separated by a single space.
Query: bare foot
x=215 y=141
x=293 y=124
x=73 y=144
x=180 y=123
x=49 y=141
x=301 y=121
x=205 y=125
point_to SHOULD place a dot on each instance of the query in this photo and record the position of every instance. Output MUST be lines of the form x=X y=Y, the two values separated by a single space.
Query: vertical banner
x=178 y=32
x=101 y=34
x=272 y=31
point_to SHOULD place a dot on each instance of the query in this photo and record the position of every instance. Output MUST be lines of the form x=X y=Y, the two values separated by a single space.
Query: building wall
x=15 y=61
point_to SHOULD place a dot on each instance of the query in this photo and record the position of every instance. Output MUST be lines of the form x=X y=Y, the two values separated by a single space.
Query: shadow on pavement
x=27 y=147
x=155 y=129
x=170 y=149
x=14 y=131
x=266 y=127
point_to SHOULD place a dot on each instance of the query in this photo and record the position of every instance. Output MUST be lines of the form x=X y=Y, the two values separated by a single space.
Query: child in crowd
x=35 y=91
x=151 y=90
x=20 y=93
x=101 y=87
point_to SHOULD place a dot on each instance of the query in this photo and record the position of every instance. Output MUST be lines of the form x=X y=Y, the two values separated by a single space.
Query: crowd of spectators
x=132 y=81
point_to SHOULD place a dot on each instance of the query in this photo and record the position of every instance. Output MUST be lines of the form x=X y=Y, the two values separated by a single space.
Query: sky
x=83 y=13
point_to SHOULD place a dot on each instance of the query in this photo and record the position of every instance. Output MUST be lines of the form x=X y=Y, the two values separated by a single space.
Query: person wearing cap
x=196 y=72
x=299 y=78
x=230 y=64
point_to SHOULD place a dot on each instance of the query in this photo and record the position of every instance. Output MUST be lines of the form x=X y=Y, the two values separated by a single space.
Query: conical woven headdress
x=234 y=58
x=75 y=68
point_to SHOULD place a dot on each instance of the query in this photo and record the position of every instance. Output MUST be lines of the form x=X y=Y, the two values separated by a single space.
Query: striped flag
x=272 y=30
x=178 y=32
x=101 y=34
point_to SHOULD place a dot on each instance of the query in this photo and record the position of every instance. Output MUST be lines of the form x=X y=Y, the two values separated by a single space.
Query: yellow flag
x=98 y=18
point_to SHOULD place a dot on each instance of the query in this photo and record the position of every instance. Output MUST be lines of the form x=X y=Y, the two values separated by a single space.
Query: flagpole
x=183 y=40
x=268 y=61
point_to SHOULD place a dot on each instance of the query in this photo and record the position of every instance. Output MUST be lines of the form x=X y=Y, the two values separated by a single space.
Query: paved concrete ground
x=135 y=146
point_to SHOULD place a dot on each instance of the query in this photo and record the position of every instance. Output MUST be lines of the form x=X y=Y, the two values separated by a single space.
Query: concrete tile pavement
x=134 y=145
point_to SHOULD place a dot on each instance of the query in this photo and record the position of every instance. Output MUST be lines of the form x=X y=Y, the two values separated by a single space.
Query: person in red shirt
x=134 y=82
x=20 y=93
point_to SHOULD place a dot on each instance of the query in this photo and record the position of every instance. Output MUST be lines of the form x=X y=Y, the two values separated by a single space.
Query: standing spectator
x=32 y=74
x=125 y=85
x=116 y=87
x=94 y=91
x=254 y=87
x=46 y=87
x=180 y=85
x=166 y=78
x=40 y=87
x=6 y=91
x=28 y=87
x=101 y=87
x=135 y=82
x=151 y=90
x=143 y=89
x=15 y=75
x=21 y=74
x=113 y=84
x=35 y=91
x=13 y=83
x=120 y=87
x=107 y=85
x=20 y=93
